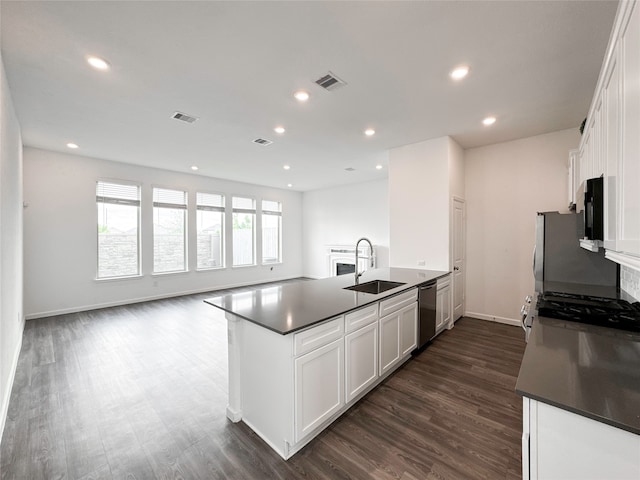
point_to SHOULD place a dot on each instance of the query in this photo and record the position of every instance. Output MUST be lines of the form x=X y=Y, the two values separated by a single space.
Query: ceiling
x=235 y=66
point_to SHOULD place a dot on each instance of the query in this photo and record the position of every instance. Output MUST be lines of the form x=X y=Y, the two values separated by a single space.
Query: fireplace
x=345 y=268
x=341 y=259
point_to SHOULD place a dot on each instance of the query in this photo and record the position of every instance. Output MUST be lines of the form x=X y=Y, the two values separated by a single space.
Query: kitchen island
x=302 y=354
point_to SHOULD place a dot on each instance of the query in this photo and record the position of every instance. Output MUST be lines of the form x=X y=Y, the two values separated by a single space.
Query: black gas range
x=604 y=312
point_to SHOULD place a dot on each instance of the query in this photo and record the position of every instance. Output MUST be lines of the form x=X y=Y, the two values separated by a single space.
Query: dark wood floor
x=139 y=392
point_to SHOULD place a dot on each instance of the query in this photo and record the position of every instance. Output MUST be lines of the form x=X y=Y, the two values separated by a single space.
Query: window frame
x=222 y=209
x=253 y=212
x=185 y=234
x=273 y=213
x=138 y=228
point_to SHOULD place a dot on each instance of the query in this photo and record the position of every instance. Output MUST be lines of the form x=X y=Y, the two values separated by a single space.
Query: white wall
x=506 y=185
x=61 y=235
x=419 y=196
x=11 y=312
x=342 y=215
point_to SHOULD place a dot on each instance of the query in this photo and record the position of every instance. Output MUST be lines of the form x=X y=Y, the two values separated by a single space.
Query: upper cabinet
x=628 y=240
x=610 y=145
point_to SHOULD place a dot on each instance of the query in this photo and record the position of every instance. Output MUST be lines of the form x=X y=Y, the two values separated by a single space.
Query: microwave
x=594 y=209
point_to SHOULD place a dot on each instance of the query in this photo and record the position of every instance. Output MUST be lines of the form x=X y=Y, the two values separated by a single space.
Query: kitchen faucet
x=370 y=256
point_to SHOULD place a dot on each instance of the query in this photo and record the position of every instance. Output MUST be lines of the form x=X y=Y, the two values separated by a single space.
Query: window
x=169 y=230
x=210 y=226
x=118 y=230
x=244 y=214
x=271 y=231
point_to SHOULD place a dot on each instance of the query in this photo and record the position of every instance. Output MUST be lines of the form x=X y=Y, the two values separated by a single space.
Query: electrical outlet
x=421 y=263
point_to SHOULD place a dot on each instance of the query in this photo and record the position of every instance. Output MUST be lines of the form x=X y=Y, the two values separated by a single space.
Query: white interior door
x=458 y=257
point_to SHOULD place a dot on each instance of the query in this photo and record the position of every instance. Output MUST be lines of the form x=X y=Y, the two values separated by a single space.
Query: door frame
x=453 y=232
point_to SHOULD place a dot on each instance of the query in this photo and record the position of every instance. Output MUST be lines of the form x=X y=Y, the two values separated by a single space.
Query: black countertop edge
x=583 y=413
x=393 y=274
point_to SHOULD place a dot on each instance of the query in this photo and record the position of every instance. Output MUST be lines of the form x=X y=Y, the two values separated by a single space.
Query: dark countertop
x=294 y=306
x=585 y=369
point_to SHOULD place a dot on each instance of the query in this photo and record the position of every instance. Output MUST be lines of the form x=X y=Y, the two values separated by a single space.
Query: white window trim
x=97 y=235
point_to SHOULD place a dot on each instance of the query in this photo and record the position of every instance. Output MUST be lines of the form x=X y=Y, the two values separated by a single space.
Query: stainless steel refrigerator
x=558 y=256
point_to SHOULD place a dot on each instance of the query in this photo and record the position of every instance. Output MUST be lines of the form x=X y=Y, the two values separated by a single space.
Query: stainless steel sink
x=374 y=286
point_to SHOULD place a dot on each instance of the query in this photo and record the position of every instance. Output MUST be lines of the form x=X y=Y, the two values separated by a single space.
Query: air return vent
x=330 y=82
x=262 y=141
x=184 y=117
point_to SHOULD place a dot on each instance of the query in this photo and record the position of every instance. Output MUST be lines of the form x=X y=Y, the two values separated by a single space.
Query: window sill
x=245 y=266
x=164 y=274
x=212 y=269
x=270 y=264
x=118 y=279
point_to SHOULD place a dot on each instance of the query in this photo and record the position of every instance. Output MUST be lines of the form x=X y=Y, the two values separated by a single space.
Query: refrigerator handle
x=534 y=261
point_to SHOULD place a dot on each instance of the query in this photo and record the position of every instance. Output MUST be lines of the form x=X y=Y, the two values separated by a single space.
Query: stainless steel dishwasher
x=427 y=313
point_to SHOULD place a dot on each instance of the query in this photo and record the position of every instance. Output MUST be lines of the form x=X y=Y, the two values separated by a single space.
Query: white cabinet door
x=611 y=101
x=398 y=336
x=443 y=307
x=408 y=329
x=318 y=387
x=567 y=446
x=389 y=342
x=628 y=239
x=361 y=359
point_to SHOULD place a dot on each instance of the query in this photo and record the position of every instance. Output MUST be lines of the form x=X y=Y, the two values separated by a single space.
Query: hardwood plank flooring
x=140 y=392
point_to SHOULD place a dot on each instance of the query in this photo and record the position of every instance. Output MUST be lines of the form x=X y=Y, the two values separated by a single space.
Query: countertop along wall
x=60 y=235
x=340 y=216
x=506 y=184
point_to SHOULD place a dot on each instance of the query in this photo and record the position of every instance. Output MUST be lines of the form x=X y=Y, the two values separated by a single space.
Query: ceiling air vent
x=330 y=82
x=262 y=141
x=184 y=117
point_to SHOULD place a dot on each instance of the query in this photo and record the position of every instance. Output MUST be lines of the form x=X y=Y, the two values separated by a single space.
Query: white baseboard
x=9 y=386
x=96 y=306
x=493 y=318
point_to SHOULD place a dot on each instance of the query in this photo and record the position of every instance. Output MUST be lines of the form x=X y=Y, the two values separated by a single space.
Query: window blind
x=167 y=198
x=210 y=201
x=117 y=193
x=271 y=208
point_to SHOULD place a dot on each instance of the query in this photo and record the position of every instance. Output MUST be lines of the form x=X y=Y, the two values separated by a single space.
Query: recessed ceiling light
x=289 y=185
x=378 y=167
x=369 y=132
x=489 y=121
x=98 y=63
x=459 y=72
x=286 y=167
x=72 y=145
x=301 y=96
x=194 y=167
x=279 y=129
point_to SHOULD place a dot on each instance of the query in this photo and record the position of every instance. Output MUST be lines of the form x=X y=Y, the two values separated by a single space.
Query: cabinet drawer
x=360 y=318
x=396 y=302
x=316 y=337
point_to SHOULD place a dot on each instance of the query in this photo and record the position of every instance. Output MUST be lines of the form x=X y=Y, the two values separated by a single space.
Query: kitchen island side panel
x=267 y=384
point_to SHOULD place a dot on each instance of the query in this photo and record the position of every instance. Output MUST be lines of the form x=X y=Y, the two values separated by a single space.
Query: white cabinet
x=398 y=332
x=443 y=304
x=389 y=342
x=557 y=444
x=612 y=108
x=319 y=379
x=288 y=388
x=628 y=240
x=610 y=145
x=408 y=329
x=361 y=360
